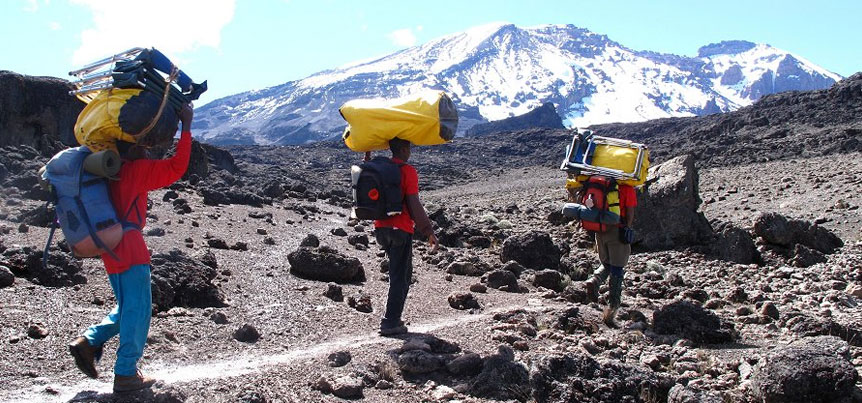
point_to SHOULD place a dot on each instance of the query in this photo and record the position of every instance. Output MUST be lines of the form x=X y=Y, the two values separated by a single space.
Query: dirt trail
x=169 y=373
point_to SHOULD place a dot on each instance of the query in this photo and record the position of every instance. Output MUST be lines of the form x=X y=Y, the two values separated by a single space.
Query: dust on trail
x=170 y=373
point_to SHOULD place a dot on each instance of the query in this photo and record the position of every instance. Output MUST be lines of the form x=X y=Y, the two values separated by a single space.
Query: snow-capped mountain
x=496 y=71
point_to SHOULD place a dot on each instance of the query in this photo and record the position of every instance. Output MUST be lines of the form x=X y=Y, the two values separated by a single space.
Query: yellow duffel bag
x=125 y=114
x=424 y=119
x=622 y=158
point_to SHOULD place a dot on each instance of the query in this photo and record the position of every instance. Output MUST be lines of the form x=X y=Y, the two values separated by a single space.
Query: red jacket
x=136 y=179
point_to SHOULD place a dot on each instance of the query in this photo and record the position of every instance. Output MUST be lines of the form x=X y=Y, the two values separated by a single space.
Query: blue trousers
x=130 y=318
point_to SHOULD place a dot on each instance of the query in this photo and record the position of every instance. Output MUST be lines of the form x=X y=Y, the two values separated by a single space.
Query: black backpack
x=376 y=189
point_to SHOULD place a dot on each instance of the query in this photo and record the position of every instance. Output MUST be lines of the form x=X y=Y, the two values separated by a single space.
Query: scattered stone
x=6 y=277
x=500 y=278
x=465 y=268
x=262 y=231
x=240 y=246
x=359 y=239
x=680 y=393
x=769 y=309
x=155 y=232
x=419 y=362
x=23 y=228
x=310 y=240
x=348 y=387
x=269 y=240
x=339 y=358
x=479 y=287
x=383 y=384
x=325 y=264
x=217 y=243
x=502 y=378
x=690 y=321
x=463 y=300
x=246 y=334
x=361 y=302
x=219 y=318
x=339 y=232
x=63 y=269
x=334 y=292
x=550 y=279
x=811 y=369
x=468 y=364
x=37 y=331
x=534 y=250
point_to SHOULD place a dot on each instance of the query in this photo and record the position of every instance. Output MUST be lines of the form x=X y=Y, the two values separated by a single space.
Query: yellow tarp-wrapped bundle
x=616 y=157
x=124 y=114
x=424 y=119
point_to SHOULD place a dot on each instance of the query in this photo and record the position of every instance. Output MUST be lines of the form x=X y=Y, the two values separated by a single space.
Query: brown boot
x=132 y=383
x=608 y=317
x=85 y=356
x=592 y=290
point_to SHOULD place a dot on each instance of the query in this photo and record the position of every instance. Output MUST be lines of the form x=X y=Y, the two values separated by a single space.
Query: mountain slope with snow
x=497 y=71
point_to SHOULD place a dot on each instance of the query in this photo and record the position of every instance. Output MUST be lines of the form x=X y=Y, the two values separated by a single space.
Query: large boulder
x=180 y=280
x=534 y=250
x=691 y=321
x=667 y=214
x=577 y=377
x=778 y=230
x=734 y=244
x=62 y=270
x=325 y=264
x=37 y=112
x=815 y=369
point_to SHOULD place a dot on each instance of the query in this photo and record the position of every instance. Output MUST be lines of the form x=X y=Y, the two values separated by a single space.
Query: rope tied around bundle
x=168 y=81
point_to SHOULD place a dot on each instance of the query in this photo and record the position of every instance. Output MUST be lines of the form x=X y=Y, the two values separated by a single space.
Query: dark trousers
x=399 y=249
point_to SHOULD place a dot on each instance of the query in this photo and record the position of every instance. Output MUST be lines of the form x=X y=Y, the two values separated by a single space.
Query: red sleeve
x=409 y=180
x=154 y=174
x=628 y=197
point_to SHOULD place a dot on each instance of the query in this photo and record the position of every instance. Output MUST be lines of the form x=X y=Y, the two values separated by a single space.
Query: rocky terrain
x=745 y=286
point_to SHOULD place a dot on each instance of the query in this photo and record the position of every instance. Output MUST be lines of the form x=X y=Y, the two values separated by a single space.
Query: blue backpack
x=83 y=206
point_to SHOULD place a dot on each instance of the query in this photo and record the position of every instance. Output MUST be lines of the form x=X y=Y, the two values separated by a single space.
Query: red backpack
x=600 y=193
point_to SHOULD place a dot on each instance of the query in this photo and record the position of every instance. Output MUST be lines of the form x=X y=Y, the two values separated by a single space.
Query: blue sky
x=240 y=45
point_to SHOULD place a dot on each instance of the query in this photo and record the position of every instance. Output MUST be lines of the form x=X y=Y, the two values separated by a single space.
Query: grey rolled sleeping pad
x=581 y=212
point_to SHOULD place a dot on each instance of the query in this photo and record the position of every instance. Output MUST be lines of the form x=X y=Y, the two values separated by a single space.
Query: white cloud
x=402 y=37
x=55 y=26
x=31 y=6
x=171 y=26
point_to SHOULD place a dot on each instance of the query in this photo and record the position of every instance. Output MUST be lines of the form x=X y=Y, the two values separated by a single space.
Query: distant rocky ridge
x=544 y=116
x=36 y=111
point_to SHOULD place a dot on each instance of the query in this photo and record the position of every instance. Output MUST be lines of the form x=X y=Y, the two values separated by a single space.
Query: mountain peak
x=725 y=48
x=500 y=70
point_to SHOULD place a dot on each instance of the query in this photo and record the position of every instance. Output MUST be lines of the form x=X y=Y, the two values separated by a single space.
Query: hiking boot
x=592 y=290
x=393 y=330
x=132 y=383
x=85 y=356
x=608 y=317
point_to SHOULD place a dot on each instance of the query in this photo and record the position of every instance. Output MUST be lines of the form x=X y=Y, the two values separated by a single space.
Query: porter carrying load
x=429 y=118
x=134 y=96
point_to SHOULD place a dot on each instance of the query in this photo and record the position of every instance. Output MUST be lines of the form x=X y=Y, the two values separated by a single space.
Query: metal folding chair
x=580 y=153
x=143 y=68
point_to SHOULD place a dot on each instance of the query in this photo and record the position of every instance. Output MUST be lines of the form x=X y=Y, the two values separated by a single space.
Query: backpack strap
x=124 y=220
x=54 y=226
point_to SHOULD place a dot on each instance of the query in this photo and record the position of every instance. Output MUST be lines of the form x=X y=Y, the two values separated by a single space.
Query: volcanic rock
x=339 y=358
x=6 y=277
x=502 y=378
x=463 y=300
x=811 y=369
x=688 y=320
x=500 y=278
x=37 y=111
x=534 y=250
x=419 y=362
x=246 y=334
x=360 y=302
x=779 y=230
x=577 y=377
x=468 y=364
x=347 y=387
x=667 y=214
x=310 y=240
x=680 y=393
x=63 y=269
x=325 y=264
x=550 y=279
x=179 y=280
x=334 y=292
